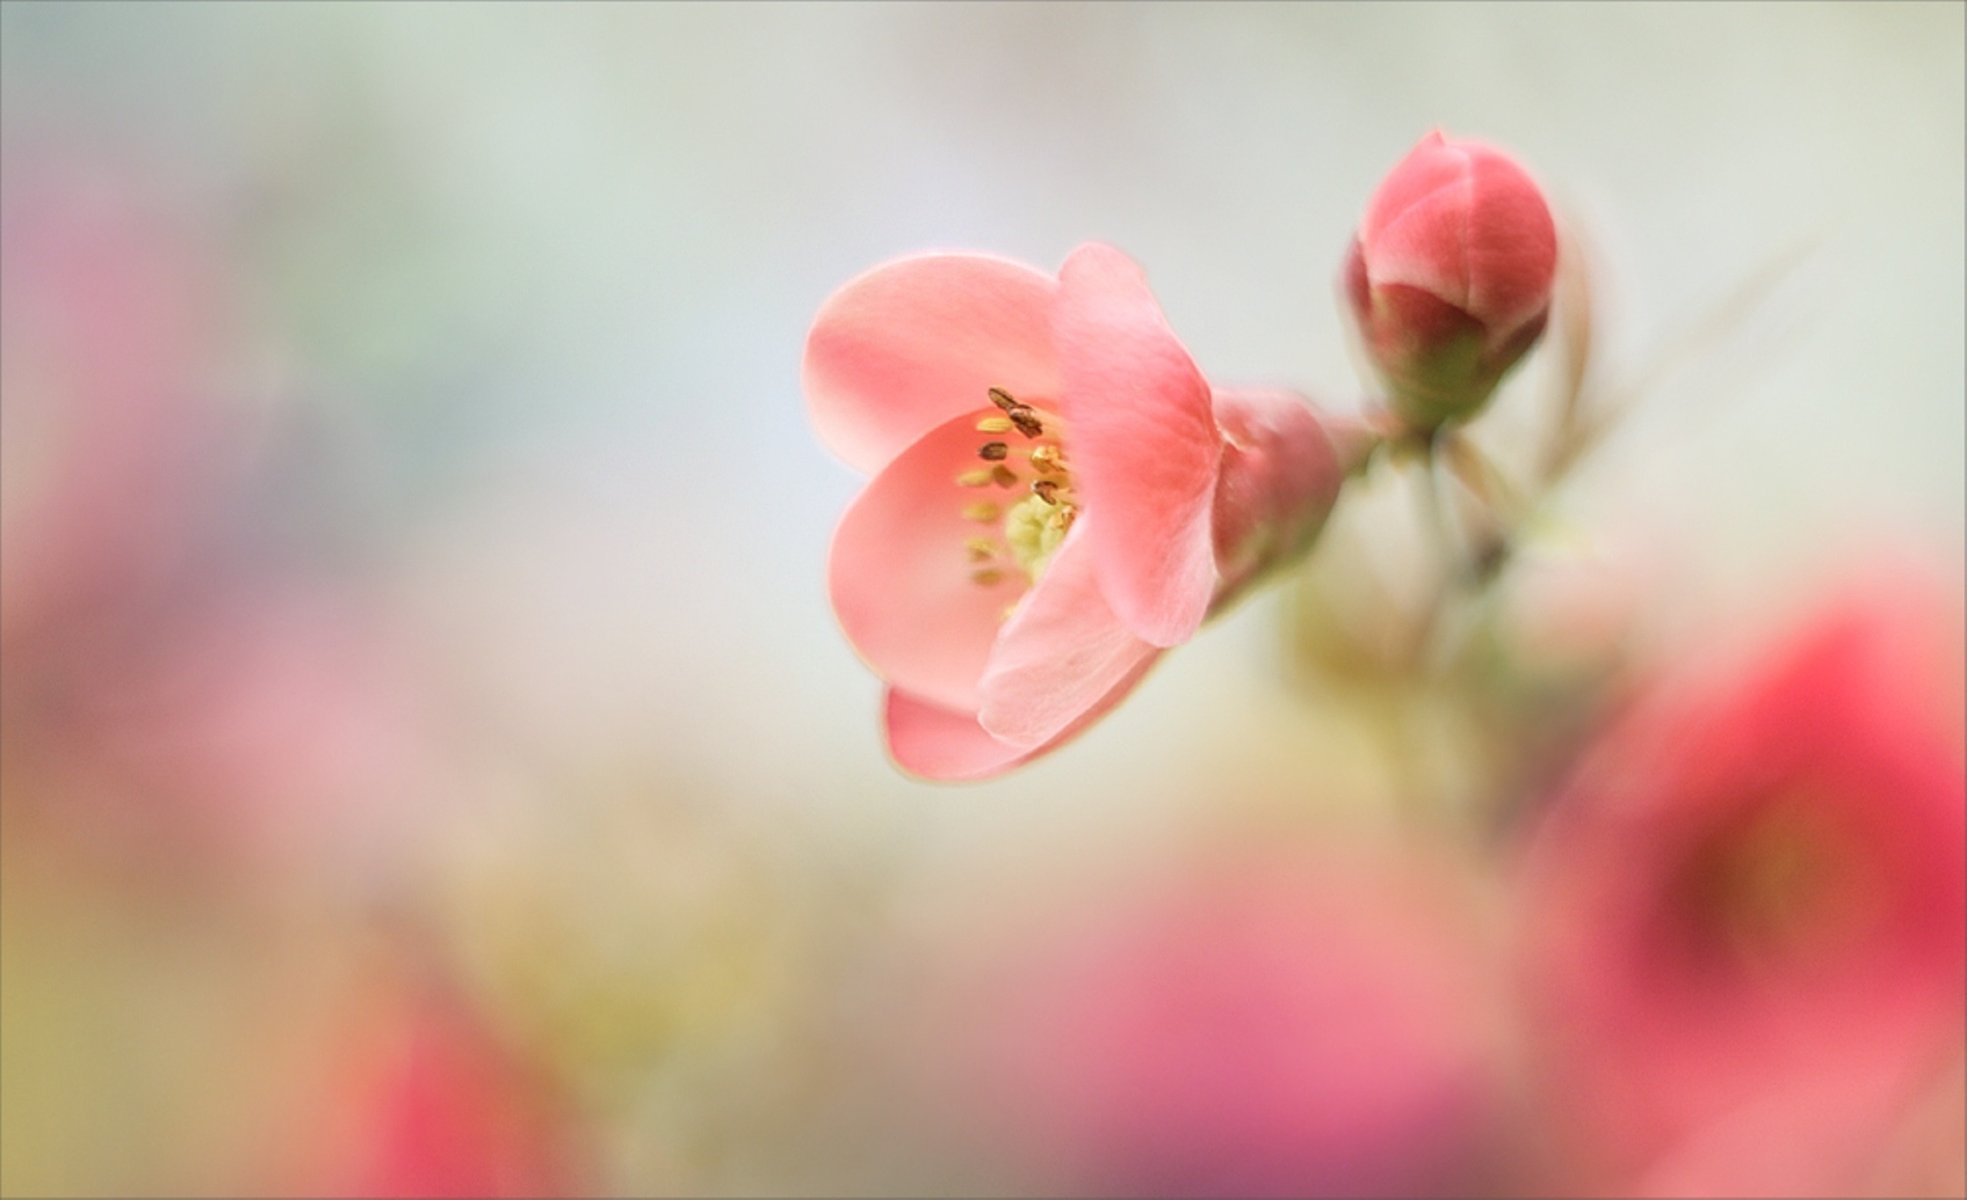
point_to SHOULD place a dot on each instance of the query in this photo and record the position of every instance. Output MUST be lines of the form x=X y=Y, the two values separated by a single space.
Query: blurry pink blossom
x=1283 y=1025
x=110 y=330
x=1748 y=911
x=426 y=1101
x=1058 y=494
x=272 y=721
x=1450 y=275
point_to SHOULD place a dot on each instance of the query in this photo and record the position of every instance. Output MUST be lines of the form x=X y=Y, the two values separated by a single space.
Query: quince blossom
x=1057 y=497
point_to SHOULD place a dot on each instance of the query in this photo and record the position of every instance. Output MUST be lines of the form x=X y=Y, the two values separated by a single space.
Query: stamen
x=981 y=549
x=994 y=452
x=1026 y=421
x=994 y=425
x=976 y=478
x=1004 y=476
x=1046 y=490
x=987 y=576
x=1002 y=399
x=983 y=511
x=1045 y=459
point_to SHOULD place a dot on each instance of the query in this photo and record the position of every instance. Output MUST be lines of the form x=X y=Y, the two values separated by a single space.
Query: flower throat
x=1034 y=526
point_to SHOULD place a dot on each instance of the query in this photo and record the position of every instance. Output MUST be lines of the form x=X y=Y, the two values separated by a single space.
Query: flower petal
x=932 y=742
x=1512 y=245
x=1426 y=246
x=1143 y=444
x=1060 y=654
x=901 y=581
x=1430 y=166
x=910 y=344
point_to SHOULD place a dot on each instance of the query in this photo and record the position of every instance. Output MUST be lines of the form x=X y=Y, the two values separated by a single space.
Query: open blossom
x=1058 y=494
x=1749 y=912
x=1450 y=276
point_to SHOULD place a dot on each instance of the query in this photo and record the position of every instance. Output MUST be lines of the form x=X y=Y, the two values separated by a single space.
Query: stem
x=1447 y=553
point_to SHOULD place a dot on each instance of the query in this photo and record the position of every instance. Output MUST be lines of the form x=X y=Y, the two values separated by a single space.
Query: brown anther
x=981 y=549
x=1066 y=516
x=987 y=576
x=1045 y=459
x=1046 y=490
x=1026 y=421
x=982 y=510
x=994 y=452
x=1003 y=476
x=1002 y=399
x=976 y=478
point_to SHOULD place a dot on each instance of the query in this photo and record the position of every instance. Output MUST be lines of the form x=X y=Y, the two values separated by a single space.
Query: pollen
x=994 y=425
x=1034 y=529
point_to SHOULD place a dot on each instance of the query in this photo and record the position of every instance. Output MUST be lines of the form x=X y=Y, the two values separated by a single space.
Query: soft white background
x=556 y=265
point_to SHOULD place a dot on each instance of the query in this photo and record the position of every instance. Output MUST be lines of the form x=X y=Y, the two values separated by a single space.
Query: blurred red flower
x=424 y=1099
x=1747 y=913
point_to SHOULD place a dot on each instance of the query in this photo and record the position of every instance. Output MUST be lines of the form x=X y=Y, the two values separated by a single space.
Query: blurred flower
x=179 y=680
x=1747 y=909
x=1276 y=1025
x=110 y=339
x=1450 y=276
x=1057 y=494
x=424 y=1100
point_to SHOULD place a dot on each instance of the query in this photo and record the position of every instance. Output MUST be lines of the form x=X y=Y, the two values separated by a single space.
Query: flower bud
x=1450 y=276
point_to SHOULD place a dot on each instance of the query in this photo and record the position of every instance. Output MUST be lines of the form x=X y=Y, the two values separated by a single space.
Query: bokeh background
x=431 y=765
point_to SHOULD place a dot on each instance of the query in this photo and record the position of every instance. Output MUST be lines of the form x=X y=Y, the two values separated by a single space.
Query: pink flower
x=1272 y=1025
x=1058 y=495
x=1749 y=910
x=1450 y=276
x=423 y=1099
x=115 y=326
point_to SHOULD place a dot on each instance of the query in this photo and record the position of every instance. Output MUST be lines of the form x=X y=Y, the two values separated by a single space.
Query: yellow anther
x=976 y=478
x=1045 y=459
x=987 y=576
x=983 y=510
x=981 y=549
x=994 y=425
x=1004 y=476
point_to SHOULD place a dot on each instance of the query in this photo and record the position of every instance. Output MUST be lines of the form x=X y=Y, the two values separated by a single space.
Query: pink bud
x=1450 y=275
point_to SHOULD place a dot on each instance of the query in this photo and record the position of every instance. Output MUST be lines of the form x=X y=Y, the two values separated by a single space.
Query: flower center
x=1785 y=883
x=1018 y=455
